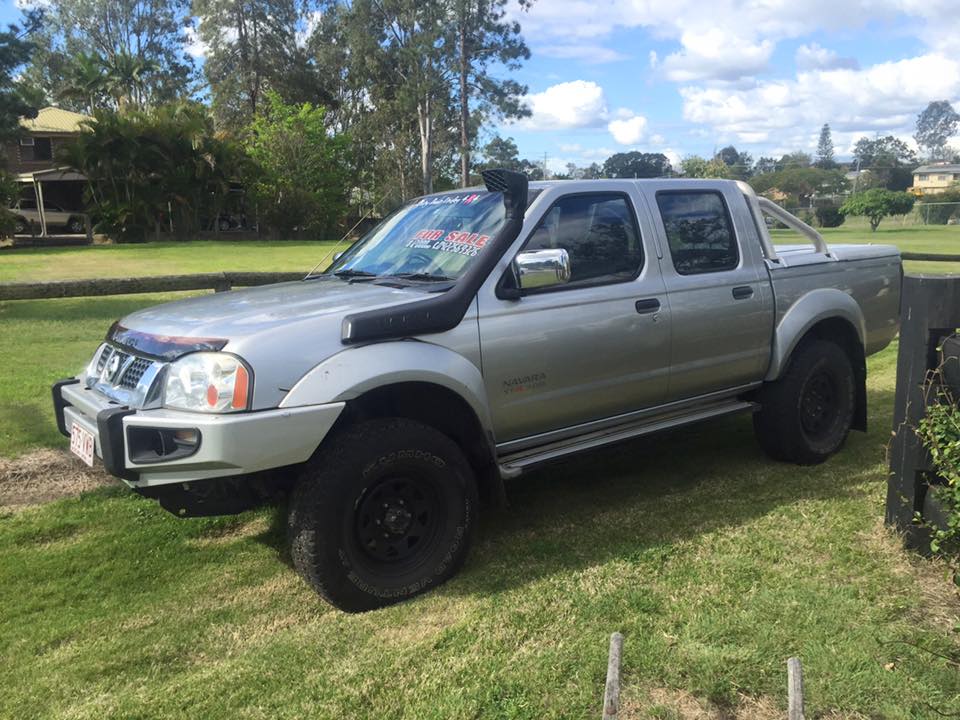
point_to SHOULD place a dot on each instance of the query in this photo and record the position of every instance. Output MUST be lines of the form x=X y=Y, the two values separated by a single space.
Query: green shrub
x=939 y=431
x=877 y=204
x=829 y=216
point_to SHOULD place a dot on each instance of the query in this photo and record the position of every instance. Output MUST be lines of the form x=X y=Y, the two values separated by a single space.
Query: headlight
x=208 y=382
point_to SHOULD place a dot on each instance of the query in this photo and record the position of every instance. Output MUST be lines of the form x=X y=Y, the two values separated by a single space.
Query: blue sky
x=690 y=76
x=687 y=76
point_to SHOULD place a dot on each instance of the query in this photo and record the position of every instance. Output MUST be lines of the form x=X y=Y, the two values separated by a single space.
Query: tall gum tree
x=254 y=46
x=485 y=40
x=138 y=40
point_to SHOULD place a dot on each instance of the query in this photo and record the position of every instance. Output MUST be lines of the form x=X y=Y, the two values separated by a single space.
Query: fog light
x=153 y=445
x=188 y=437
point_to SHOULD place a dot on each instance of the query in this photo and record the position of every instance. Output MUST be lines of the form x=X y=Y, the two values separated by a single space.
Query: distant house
x=856 y=178
x=936 y=178
x=46 y=188
x=36 y=150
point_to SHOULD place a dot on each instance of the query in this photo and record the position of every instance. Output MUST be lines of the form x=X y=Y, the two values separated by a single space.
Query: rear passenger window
x=599 y=233
x=699 y=231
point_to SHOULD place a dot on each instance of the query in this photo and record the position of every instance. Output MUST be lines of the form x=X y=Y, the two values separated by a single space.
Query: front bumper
x=230 y=445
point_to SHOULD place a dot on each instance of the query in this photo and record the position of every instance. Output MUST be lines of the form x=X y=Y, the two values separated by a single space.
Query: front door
x=595 y=347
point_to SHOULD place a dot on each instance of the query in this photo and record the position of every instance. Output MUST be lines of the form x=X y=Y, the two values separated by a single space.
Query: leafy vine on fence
x=939 y=431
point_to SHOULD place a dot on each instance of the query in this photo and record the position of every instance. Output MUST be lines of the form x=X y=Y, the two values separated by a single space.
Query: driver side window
x=600 y=234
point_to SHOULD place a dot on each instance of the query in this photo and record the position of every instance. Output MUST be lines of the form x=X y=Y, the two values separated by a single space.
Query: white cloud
x=673 y=156
x=628 y=131
x=732 y=39
x=588 y=54
x=715 y=54
x=594 y=154
x=814 y=57
x=195 y=47
x=882 y=98
x=565 y=106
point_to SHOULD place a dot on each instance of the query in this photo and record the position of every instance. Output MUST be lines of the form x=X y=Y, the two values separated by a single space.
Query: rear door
x=587 y=350
x=719 y=291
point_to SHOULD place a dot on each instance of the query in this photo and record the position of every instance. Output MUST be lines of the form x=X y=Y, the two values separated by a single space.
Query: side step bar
x=514 y=464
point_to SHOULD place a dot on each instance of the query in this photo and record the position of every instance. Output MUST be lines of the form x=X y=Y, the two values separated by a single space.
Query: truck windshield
x=434 y=238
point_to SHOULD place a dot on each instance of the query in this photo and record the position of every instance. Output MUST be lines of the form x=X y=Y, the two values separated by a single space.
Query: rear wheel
x=19 y=226
x=805 y=416
x=385 y=512
x=75 y=226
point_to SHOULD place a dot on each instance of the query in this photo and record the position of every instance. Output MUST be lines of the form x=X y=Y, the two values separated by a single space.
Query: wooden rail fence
x=930 y=257
x=127 y=286
x=206 y=281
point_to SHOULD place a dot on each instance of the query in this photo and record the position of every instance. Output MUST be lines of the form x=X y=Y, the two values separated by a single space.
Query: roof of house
x=945 y=167
x=54 y=120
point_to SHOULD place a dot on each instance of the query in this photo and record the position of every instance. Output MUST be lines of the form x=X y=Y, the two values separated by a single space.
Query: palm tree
x=87 y=80
x=126 y=80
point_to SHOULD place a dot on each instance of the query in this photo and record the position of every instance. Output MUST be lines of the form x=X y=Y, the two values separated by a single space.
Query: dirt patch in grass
x=939 y=601
x=46 y=475
x=674 y=704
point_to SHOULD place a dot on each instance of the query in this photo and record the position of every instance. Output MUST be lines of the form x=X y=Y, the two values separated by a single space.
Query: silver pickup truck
x=470 y=337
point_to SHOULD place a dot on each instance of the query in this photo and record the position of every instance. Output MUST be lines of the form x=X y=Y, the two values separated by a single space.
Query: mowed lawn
x=163 y=258
x=716 y=563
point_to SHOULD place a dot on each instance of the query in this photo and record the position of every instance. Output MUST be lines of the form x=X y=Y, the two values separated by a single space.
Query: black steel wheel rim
x=397 y=520
x=819 y=404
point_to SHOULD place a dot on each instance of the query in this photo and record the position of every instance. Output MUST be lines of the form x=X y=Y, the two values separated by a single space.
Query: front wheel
x=385 y=512
x=75 y=226
x=805 y=416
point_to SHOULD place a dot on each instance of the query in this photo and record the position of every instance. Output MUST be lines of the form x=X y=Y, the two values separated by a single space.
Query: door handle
x=742 y=292
x=645 y=307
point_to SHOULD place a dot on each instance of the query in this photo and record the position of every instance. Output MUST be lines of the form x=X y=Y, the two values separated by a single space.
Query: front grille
x=124 y=376
x=104 y=356
x=133 y=374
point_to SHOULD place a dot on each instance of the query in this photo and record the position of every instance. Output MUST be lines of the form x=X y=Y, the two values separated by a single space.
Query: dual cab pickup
x=470 y=337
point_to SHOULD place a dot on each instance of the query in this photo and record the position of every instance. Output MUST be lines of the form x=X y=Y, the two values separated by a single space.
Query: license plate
x=81 y=443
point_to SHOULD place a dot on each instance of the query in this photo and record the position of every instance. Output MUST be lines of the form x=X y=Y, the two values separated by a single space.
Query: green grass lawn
x=716 y=563
x=164 y=258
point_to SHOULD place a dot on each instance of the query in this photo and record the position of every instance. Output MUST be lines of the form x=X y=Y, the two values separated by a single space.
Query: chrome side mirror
x=542 y=268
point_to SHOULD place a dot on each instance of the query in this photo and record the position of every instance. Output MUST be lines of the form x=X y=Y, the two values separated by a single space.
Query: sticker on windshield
x=456 y=241
x=450 y=199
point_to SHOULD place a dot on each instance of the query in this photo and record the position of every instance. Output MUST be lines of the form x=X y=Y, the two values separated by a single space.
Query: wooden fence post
x=929 y=312
x=611 y=692
x=794 y=689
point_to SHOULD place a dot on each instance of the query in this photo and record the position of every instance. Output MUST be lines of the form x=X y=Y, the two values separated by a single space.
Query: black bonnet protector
x=444 y=312
x=160 y=347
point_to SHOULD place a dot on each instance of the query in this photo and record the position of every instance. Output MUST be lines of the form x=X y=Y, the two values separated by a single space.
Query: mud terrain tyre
x=385 y=511
x=805 y=416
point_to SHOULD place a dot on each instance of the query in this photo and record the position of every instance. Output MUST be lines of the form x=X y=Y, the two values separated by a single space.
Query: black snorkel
x=444 y=312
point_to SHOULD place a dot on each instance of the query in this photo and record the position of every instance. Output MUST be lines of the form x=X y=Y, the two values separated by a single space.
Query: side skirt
x=515 y=463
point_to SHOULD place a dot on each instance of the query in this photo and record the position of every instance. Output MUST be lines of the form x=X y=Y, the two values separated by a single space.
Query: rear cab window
x=699 y=231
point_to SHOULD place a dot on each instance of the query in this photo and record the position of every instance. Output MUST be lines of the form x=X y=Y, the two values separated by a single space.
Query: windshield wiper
x=351 y=274
x=422 y=277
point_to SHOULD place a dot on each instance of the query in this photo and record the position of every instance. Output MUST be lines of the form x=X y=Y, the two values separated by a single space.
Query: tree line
x=323 y=108
x=401 y=89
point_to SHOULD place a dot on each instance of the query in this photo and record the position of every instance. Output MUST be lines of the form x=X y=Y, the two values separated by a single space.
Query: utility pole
x=545 y=175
